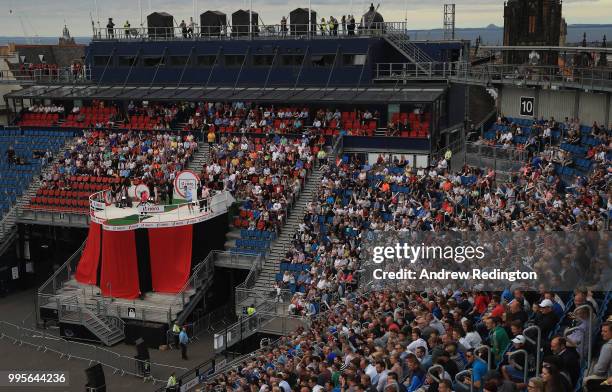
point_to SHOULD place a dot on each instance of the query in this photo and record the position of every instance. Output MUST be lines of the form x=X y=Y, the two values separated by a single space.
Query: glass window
x=263 y=60
x=322 y=60
x=354 y=59
x=234 y=60
x=101 y=61
x=178 y=61
x=127 y=61
x=206 y=60
x=152 y=61
x=291 y=60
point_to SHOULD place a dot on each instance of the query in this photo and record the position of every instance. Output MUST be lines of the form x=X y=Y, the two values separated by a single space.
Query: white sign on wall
x=186 y=179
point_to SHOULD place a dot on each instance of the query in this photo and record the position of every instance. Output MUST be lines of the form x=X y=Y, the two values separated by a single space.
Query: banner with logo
x=150 y=209
x=187 y=179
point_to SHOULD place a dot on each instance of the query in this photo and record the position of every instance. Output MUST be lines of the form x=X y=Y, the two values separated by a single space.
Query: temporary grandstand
x=235 y=180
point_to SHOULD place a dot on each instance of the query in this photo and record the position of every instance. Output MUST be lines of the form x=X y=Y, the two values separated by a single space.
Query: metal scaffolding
x=449 y=21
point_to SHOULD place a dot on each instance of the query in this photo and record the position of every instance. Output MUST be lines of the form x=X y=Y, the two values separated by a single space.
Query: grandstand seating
x=419 y=125
x=15 y=178
x=89 y=116
x=71 y=195
x=39 y=119
x=580 y=151
x=70 y=185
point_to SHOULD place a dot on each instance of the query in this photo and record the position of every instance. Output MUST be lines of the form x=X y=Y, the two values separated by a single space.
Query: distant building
x=532 y=23
x=66 y=39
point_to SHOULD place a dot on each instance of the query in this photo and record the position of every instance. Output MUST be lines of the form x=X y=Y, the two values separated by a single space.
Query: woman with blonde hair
x=535 y=384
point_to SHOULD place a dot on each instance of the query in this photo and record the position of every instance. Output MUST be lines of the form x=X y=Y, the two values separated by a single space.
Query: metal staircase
x=398 y=38
x=109 y=329
x=266 y=279
x=200 y=158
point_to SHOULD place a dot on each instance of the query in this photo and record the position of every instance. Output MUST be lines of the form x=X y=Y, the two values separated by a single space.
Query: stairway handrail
x=60 y=269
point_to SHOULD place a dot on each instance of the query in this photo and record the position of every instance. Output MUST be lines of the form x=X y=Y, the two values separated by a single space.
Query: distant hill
x=491 y=35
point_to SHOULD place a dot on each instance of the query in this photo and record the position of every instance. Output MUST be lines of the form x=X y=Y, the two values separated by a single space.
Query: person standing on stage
x=199 y=192
x=183 y=341
x=170 y=190
x=189 y=198
x=205 y=196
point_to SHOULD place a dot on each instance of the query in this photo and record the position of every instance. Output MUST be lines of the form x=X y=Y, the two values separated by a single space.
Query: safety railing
x=588 y=332
x=49 y=75
x=436 y=372
x=200 y=279
x=528 y=75
x=62 y=274
x=460 y=379
x=537 y=343
x=407 y=71
x=254 y=31
x=110 y=306
x=479 y=349
x=524 y=366
x=154 y=215
x=115 y=363
x=246 y=326
x=497 y=158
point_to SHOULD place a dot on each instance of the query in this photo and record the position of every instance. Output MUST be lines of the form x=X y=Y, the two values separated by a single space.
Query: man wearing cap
x=515 y=370
x=546 y=319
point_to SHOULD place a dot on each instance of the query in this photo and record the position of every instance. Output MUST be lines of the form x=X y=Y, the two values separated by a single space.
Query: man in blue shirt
x=183 y=340
x=479 y=370
x=416 y=374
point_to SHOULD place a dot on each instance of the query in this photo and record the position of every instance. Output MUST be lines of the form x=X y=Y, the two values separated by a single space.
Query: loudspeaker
x=95 y=379
x=141 y=349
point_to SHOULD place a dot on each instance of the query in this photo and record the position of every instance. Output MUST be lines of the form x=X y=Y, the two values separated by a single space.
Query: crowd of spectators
x=390 y=339
x=264 y=173
x=242 y=117
x=536 y=136
x=150 y=157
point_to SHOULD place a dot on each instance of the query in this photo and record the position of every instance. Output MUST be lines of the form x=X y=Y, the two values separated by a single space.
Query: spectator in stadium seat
x=416 y=374
x=565 y=357
x=554 y=381
x=535 y=384
x=580 y=335
x=472 y=339
x=514 y=371
x=545 y=318
x=417 y=341
x=498 y=337
x=495 y=308
x=516 y=312
x=603 y=367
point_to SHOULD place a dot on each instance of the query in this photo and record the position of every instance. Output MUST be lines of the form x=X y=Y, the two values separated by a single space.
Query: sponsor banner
x=186 y=179
x=153 y=225
x=137 y=192
x=437 y=262
x=150 y=209
x=98 y=205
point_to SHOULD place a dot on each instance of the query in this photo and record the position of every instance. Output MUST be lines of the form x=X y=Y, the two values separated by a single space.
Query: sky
x=46 y=18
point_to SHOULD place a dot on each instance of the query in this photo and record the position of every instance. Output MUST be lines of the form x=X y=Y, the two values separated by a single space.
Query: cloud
x=45 y=18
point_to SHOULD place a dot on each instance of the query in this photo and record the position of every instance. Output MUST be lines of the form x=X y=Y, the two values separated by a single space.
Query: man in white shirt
x=417 y=341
